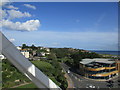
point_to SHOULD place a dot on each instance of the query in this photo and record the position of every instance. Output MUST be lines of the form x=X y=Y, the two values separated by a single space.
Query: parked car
x=68 y=71
x=110 y=81
x=90 y=86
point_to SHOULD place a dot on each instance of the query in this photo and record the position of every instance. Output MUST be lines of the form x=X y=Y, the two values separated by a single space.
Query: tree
x=33 y=47
x=52 y=56
x=24 y=46
x=77 y=57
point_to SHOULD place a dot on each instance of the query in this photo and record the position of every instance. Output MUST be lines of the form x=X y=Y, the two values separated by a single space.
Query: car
x=68 y=71
x=119 y=84
x=93 y=86
x=110 y=85
x=90 y=86
x=110 y=81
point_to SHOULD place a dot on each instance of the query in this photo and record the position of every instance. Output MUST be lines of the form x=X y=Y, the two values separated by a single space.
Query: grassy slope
x=31 y=85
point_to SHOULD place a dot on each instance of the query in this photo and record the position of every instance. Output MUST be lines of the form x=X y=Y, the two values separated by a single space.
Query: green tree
x=33 y=47
x=77 y=57
x=24 y=46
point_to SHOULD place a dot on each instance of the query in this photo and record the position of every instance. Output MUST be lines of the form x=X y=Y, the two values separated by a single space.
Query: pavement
x=81 y=82
x=70 y=82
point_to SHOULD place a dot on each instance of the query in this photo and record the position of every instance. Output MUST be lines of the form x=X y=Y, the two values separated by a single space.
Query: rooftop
x=97 y=60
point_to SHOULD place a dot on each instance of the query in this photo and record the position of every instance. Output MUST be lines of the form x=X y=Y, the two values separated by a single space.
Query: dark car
x=110 y=81
x=110 y=85
x=119 y=81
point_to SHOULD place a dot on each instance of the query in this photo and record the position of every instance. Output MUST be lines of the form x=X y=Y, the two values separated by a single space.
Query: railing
x=24 y=65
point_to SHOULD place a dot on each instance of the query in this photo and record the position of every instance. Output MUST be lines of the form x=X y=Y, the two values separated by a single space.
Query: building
x=47 y=49
x=19 y=48
x=42 y=53
x=25 y=53
x=34 y=53
x=98 y=68
x=2 y=57
x=118 y=65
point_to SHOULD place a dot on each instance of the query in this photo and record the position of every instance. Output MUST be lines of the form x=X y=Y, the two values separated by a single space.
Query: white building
x=47 y=53
x=2 y=57
x=19 y=48
x=25 y=53
x=47 y=49
x=42 y=54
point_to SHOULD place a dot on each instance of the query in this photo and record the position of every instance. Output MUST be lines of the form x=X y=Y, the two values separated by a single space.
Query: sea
x=107 y=52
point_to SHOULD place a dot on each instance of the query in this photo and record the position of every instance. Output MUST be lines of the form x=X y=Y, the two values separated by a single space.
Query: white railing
x=24 y=65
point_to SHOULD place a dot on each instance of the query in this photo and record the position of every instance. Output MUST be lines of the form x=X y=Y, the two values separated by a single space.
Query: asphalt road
x=81 y=82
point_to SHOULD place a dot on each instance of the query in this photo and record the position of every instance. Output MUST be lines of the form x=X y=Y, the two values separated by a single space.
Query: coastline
x=113 y=53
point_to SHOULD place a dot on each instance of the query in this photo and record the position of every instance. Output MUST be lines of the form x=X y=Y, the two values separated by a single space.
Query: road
x=81 y=82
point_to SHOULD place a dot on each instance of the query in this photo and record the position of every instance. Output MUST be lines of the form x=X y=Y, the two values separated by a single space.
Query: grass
x=31 y=85
x=43 y=66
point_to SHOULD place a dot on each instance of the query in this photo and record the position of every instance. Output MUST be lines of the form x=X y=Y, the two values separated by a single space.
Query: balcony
x=99 y=68
x=105 y=73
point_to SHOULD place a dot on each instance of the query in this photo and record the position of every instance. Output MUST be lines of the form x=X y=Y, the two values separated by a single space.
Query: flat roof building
x=98 y=68
x=118 y=65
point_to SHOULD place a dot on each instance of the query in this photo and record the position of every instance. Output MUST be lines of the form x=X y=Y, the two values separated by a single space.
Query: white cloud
x=11 y=7
x=4 y=2
x=6 y=17
x=29 y=25
x=12 y=39
x=30 y=6
x=3 y=14
x=17 y=14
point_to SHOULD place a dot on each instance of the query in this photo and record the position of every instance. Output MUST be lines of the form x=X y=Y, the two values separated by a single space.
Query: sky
x=81 y=25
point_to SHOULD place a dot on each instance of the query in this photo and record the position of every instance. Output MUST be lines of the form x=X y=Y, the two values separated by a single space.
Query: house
x=47 y=49
x=42 y=54
x=19 y=48
x=2 y=57
x=25 y=53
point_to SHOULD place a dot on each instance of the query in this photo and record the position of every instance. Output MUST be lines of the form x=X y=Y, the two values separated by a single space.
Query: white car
x=68 y=71
x=90 y=86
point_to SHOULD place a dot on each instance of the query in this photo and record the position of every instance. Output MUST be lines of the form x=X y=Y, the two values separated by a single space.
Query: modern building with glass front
x=98 y=68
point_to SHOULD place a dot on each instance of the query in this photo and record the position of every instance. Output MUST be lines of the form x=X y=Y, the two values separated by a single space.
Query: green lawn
x=31 y=85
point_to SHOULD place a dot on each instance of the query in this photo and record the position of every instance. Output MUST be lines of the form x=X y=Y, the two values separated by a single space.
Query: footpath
x=70 y=83
x=21 y=85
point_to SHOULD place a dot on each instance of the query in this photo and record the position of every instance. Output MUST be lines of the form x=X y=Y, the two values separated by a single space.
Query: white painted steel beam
x=24 y=65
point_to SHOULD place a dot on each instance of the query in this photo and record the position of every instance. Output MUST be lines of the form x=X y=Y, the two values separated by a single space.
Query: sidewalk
x=20 y=85
x=70 y=83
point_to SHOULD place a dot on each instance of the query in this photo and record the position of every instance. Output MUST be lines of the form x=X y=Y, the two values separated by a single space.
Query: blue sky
x=89 y=25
